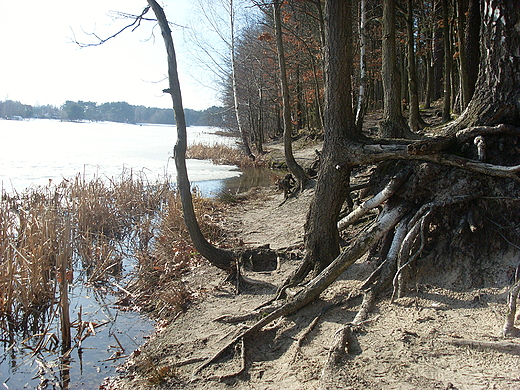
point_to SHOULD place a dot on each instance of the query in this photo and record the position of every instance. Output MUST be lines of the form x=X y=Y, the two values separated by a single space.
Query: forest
x=434 y=55
x=302 y=69
x=435 y=200
x=121 y=112
x=404 y=270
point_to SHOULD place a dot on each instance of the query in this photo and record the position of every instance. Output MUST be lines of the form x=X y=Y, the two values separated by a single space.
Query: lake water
x=32 y=152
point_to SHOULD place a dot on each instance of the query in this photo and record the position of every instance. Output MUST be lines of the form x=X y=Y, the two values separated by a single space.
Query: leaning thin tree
x=221 y=258
x=226 y=260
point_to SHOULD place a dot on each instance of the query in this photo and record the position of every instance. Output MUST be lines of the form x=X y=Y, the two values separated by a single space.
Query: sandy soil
x=440 y=336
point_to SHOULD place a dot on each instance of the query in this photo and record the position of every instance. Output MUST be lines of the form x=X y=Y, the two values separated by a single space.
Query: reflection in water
x=102 y=337
x=250 y=178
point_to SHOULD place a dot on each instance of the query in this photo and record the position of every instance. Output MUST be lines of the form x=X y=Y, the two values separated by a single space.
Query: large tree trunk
x=393 y=124
x=332 y=186
x=465 y=93
x=472 y=43
x=497 y=95
x=292 y=164
x=220 y=258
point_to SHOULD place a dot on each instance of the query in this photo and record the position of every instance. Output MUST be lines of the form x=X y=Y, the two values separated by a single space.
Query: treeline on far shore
x=113 y=112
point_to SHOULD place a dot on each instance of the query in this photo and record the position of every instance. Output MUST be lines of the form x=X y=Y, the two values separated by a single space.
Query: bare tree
x=221 y=17
x=292 y=164
x=241 y=128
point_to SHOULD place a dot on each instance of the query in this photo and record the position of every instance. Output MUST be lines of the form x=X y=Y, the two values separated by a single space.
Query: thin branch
x=135 y=24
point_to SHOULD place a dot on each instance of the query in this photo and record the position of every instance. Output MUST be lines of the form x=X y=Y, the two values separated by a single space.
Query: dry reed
x=171 y=255
x=224 y=155
x=47 y=233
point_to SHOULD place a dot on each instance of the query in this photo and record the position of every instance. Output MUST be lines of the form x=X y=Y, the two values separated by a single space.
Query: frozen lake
x=32 y=152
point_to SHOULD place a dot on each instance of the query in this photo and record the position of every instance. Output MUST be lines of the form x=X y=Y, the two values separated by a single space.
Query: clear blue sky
x=41 y=65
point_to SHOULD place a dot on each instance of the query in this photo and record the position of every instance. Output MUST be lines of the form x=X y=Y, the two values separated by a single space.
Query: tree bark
x=465 y=94
x=497 y=96
x=446 y=108
x=393 y=124
x=218 y=257
x=414 y=120
x=292 y=164
x=332 y=186
x=472 y=43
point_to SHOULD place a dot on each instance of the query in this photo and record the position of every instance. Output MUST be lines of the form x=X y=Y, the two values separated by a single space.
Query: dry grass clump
x=171 y=255
x=112 y=219
x=224 y=155
x=31 y=238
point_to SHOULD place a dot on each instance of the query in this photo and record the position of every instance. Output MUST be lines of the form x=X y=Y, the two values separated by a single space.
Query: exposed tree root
x=374 y=153
x=366 y=307
x=417 y=209
x=303 y=335
x=264 y=309
x=242 y=346
x=509 y=326
x=375 y=201
x=501 y=346
x=418 y=227
x=334 y=357
x=386 y=221
x=475 y=131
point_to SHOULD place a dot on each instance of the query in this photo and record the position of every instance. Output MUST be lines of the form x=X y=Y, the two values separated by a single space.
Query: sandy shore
x=440 y=336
